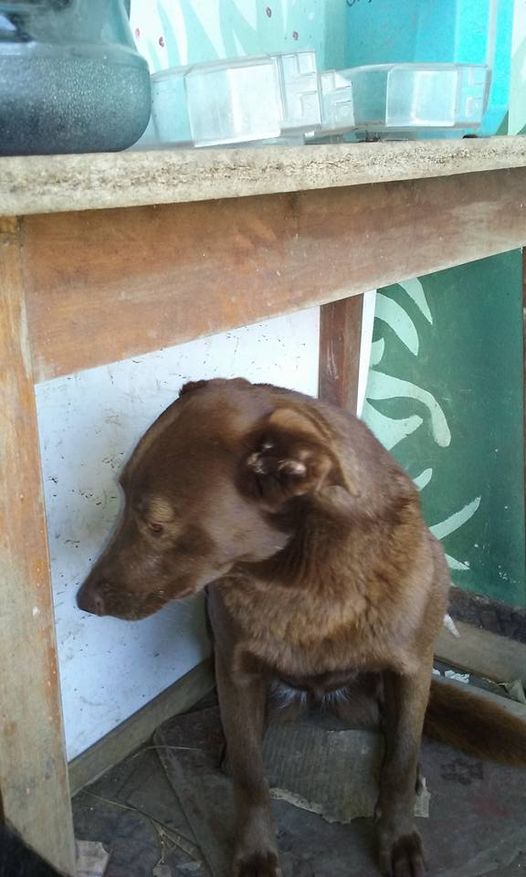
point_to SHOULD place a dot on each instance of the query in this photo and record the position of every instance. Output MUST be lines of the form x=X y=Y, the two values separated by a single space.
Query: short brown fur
x=324 y=585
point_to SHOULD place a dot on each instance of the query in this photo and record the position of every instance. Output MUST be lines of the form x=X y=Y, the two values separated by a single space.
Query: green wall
x=445 y=394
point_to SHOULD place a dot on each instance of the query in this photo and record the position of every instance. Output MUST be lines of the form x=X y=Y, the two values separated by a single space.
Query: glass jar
x=71 y=79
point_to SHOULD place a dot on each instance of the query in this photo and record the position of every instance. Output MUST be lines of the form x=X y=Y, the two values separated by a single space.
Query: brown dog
x=325 y=579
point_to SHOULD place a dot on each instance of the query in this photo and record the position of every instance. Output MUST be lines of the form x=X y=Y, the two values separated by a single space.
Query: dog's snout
x=90 y=599
x=98 y=604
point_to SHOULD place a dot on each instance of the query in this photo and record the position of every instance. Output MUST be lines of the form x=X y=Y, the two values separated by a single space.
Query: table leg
x=34 y=792
x=340 y=342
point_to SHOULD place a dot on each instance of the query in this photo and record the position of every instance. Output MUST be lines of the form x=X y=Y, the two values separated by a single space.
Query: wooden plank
x=128 y=736
x=104 y=286
x=340 y=343
x=50 y=183
x=483 y=653
x=33 y=778
x=491 y=615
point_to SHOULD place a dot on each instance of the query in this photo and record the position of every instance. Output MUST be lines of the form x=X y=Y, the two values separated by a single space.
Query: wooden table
x=107 y=256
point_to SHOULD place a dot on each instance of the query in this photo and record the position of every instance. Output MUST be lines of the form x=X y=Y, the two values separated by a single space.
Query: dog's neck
x=322 y=549
x=311 y=557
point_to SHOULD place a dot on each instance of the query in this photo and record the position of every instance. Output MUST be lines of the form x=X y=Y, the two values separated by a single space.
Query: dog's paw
x=403 y=857
x=258 y=865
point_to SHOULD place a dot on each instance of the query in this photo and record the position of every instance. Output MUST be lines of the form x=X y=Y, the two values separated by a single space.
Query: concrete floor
x=477 y=823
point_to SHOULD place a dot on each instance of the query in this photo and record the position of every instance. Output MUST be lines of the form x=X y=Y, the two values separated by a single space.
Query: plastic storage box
x=239 y=101
x=170 y=123
x=437 y=73
x=337 y=102
x=441 y=32
x=233 y=102
x=406 y=96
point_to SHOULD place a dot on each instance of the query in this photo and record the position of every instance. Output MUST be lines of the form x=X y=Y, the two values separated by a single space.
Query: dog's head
x=217 y=481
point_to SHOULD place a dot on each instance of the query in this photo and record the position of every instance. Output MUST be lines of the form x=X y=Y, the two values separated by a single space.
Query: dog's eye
x=155 y=527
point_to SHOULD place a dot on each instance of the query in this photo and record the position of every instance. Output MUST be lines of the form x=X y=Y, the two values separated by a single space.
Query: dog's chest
x=295 y=633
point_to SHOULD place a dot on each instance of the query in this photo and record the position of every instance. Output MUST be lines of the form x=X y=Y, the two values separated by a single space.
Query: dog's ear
x=291 y=456
x=190 y=386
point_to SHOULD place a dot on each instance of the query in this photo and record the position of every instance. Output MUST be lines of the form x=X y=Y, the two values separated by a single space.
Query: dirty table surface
x=55 y=183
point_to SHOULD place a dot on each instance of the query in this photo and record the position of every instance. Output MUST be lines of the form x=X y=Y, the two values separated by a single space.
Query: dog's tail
x=474 y=724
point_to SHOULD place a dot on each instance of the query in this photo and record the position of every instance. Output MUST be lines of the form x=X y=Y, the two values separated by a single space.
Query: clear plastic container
x=258 y=98
x=233 y=102
x=337 y=102
x=464 y=33
x=170 y=120
x=300 y=100
x=408 y=96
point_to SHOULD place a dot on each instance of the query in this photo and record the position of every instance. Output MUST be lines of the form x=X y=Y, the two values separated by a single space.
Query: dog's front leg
x=242 y=701
x=405 y=702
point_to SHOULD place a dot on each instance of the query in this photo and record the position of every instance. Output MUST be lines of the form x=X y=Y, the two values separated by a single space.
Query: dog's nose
x=98 y=604
x=91 y=600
